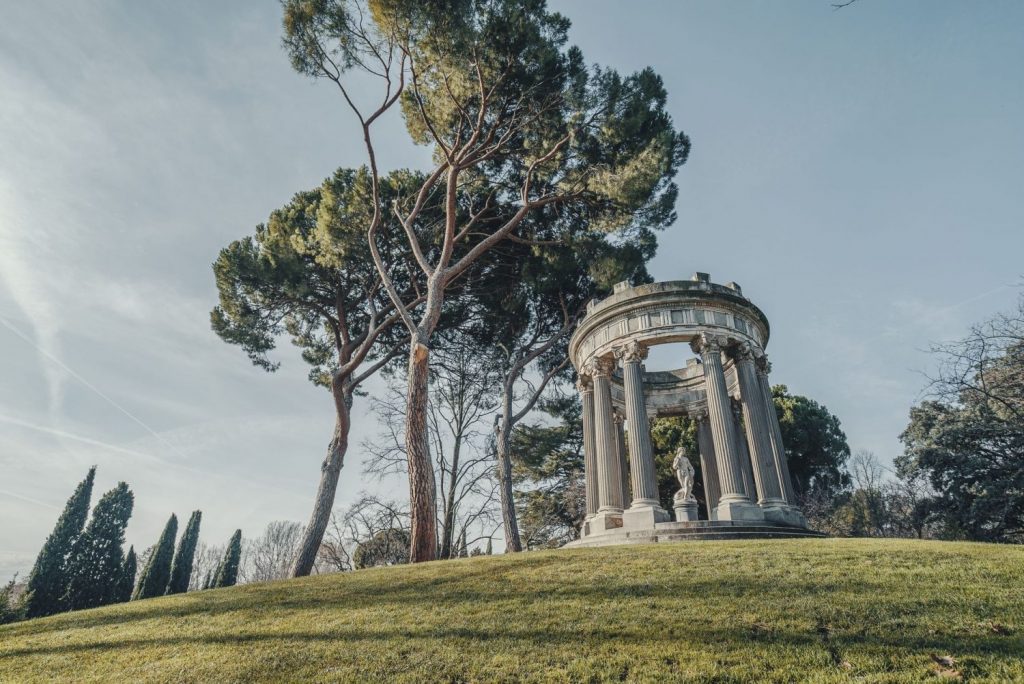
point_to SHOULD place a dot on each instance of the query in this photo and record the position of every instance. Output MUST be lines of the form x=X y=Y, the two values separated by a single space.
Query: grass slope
x=786 y=610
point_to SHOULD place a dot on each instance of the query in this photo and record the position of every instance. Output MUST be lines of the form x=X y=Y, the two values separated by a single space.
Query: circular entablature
x=662 y=313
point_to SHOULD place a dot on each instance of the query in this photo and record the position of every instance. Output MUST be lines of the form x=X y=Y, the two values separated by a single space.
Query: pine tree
x=94 y=568
x=157 y=572
x=181 y=569
x=48 y=580
x=126 y=582
x=227 y=572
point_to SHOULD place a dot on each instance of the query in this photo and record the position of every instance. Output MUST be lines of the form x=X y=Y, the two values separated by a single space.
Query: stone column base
x=603 y=521
x=784 y=514
x=738 y=510
x=644 y=517
x=686 y=511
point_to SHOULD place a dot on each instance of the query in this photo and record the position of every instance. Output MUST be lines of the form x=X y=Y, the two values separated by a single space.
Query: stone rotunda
x=743 y=462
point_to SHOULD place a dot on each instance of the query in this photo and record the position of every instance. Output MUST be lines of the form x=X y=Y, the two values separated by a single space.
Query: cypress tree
x=181 y=568
x=126 y=582
x=157 y=572
x=97 y=557
x=489 y=550
x=48 y=580
x=227 y=572
x=208 y=580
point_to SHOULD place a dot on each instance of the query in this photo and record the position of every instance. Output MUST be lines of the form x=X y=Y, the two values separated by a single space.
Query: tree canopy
x=967 y=438
x=49 y=579
x=518 y=125
x=97 y=556
x=157 y=572
x=816 y=446
x=307 y=274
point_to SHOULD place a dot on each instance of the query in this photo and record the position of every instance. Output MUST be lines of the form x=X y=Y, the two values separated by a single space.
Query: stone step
x=696 y=534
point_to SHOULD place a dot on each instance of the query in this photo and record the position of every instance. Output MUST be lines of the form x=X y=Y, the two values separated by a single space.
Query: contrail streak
x=78 y=438
x=10 y=326
x=4 y=492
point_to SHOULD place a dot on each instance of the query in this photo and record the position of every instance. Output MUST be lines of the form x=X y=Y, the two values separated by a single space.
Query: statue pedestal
x=686 y=509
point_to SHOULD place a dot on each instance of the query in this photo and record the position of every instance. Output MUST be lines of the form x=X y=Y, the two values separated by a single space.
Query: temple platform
x=697 y=530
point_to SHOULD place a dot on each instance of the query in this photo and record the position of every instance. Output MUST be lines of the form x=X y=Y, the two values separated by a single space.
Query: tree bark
x=503 y=439
x=422 y=488
x=330 y=471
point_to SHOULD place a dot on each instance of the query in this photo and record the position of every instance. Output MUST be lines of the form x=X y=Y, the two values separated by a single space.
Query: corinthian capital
x=705 y=343
x=764 y=366
x=584 y=383
x=743 y=352
x=598 y=367
x=631 y=352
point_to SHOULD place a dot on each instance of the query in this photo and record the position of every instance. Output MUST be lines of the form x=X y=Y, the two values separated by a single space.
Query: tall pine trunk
x=503 y=443
x=422 y=492
x=330 y=471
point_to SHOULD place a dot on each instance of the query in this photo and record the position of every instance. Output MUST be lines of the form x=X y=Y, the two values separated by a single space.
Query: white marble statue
x=684 y=473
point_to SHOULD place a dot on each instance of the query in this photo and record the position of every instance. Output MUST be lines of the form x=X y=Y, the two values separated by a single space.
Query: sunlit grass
x=787 y=610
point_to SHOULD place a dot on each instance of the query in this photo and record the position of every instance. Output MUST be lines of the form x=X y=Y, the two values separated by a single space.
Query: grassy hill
x=818 y=609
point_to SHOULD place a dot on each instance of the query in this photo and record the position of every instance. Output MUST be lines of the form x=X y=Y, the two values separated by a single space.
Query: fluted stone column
x=620 y=447
x=744 y=452
x=586 y=390
x=733 y=504
x=609 y=489
x=787 y=512
x=708 y=466
x=778 y=448
x=644 y=510
x=769 y=492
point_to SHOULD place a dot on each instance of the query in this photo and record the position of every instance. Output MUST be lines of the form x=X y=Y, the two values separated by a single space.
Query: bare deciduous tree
x=462 y=405
x=204 y=565
x=370 y=532
x=270 y=556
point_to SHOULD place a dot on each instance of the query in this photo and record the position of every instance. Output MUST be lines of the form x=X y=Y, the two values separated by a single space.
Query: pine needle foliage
x=181 y=568
x=157 y=572
x=48 y=579
x=97 y=558
x=227 y=573
x=126 y=581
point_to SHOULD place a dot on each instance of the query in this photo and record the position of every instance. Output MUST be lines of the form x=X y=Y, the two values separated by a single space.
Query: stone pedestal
x=686 y=509
x=604 y=521
x=784 y=515
x=738 y=510
x=644 y=517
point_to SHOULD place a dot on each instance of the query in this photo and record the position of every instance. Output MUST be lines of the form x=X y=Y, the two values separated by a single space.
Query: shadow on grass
x=583 y=581
x=417 y=594
x=530 y=639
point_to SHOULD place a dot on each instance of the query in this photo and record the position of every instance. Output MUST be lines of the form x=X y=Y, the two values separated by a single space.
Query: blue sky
x=858 y=172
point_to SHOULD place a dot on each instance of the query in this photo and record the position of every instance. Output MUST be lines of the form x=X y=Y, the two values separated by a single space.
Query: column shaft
x=708 y=466
x=755 y=417
x=586 y=389
x=722 y=431
x=746 y=467
x=620 y=448
x=778 y=448
x=609 y=489
x=641 y=453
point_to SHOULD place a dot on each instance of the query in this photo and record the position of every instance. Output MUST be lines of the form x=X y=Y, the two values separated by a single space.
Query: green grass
x=788 y=610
